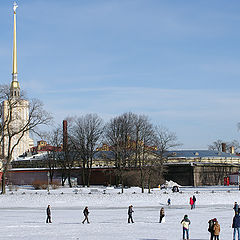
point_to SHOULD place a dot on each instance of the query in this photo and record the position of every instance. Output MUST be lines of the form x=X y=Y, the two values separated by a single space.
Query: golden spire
x=15 y=88
x=14 y=40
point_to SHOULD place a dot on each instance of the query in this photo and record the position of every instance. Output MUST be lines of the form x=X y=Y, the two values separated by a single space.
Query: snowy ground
x=22 y=216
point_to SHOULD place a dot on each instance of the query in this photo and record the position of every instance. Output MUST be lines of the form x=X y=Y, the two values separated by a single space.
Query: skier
x=162 y=215
x=191 y=202
x=85 y=213
x=236 y=207
x=169 y=202
x=194 y=201
x=48 y=215
x=130 y=211
x=211 y=224
x=216 y=230
x=185 y=223
x=236 y=226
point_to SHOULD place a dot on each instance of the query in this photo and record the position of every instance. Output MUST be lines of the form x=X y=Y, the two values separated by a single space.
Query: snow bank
x=170 y=184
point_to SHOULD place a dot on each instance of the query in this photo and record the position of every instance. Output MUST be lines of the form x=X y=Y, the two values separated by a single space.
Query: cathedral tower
x=15 y=111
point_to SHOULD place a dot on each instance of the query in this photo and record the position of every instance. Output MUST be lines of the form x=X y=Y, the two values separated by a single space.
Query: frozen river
x=23 y=216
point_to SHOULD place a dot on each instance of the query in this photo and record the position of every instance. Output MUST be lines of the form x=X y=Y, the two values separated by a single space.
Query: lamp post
x=48 y=175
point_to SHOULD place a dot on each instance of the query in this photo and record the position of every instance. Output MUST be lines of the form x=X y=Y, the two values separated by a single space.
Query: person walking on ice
x=130 y=211
x=48 y=215
x=236 y=207
x=85 y=213
x=169 y=202
x=216 y=230
x=236 y=226
x=191 y=202
x=162 y=215
x=185 y=223
x=211 y=224
x=194 y=201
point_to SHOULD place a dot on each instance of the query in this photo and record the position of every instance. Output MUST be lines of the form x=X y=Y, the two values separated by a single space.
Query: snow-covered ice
x=22 y=216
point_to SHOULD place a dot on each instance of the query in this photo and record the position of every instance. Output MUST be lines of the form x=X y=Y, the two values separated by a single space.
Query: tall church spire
x=15 y=88
x=14 y=40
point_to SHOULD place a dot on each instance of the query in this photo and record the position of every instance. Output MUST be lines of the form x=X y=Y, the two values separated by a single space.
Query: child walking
x=216 y=230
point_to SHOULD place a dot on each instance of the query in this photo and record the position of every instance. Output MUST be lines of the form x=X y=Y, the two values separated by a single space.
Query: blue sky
x=176 y=61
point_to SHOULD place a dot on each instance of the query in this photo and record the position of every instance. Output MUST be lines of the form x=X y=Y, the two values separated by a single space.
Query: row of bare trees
x=138 y=148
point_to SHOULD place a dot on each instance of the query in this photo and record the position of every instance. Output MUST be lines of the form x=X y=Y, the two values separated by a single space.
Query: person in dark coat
x=169 y=202
x=211 y=224
x=194 y=201
x=130 y=211
x=162 y=214
x=236 y=226
x=236 y=207
x=85 y=213
x=48 y=215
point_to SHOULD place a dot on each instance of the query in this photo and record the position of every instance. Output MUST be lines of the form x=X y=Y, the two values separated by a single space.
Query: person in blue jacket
x=236 y=227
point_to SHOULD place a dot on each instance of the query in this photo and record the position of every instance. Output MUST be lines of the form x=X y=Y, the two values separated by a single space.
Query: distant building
x=186 y=167
x=200 y=167
x=43 y=146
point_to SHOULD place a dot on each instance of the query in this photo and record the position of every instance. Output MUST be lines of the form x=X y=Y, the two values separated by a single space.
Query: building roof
x=178 y=154
x=200 y=154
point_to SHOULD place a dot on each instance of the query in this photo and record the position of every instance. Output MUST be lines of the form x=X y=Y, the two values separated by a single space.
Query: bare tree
x=14 y=128
x=68 y=160
x=56 y=158
x=142 y=140
x=216 y=145
x=54 y=138
x=118 y=133
x=85 y=136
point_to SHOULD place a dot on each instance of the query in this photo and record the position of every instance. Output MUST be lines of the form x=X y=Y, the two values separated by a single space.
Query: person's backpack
x=210 y=225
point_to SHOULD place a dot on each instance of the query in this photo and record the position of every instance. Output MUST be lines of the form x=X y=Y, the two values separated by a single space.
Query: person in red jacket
x=191 y=202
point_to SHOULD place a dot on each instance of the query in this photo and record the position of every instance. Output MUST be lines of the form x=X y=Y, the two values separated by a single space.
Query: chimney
x=65 y=136
x=223 y=147
x=232 y=149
